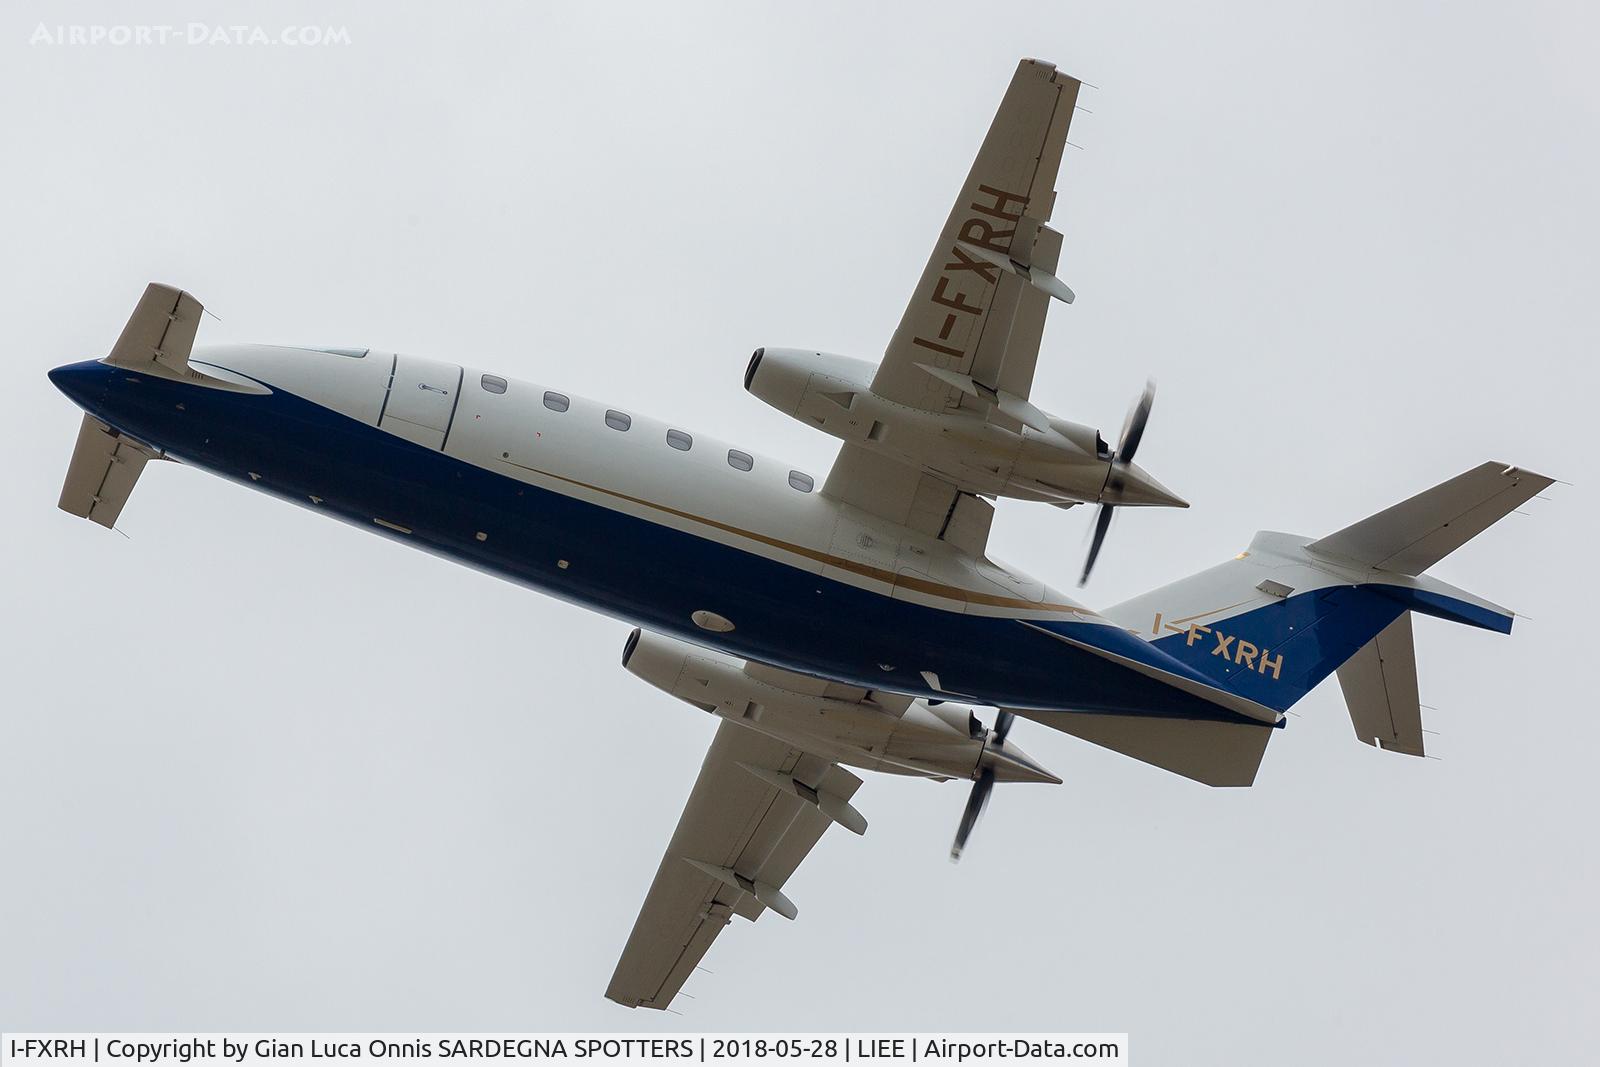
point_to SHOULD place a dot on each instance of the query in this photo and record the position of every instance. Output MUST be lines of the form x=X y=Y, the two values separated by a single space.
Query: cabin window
x=556 y=401
x=740 y=461
x=680 y=440
x=493 y=383
x=618 y=420
x=803 y=482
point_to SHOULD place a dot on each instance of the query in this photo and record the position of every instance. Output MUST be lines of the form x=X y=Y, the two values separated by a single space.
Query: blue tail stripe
x=1276 y=654
x=1452 y=609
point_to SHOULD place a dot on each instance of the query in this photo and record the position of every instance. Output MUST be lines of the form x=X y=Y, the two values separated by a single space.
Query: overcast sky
x=261 y=770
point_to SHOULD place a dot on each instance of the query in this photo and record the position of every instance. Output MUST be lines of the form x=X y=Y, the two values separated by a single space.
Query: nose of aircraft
x=83 y=383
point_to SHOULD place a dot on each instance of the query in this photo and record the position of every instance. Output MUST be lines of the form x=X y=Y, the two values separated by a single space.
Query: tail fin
x=1277 y=619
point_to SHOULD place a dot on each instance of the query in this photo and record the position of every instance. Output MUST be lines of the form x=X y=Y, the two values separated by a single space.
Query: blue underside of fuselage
x=633 y=569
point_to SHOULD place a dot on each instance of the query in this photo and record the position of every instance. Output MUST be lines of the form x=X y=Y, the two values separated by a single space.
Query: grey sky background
x=264 y=771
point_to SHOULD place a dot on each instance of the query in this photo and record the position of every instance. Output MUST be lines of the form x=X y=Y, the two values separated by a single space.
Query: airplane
x=856 y=621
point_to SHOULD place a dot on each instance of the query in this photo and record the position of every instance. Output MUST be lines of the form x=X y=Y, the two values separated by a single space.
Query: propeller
x=1116 y=475
x=978 y=799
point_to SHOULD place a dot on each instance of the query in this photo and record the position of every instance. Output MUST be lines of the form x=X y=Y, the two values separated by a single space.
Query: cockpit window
x=353 y=353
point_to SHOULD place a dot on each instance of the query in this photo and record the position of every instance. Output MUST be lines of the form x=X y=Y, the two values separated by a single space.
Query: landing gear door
x=1017 y=585
x=422 y=400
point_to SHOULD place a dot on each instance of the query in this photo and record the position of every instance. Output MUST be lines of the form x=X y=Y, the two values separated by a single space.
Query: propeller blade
x=1102 y=523
x=1002 y=725
x=976 y=802
x=1133 y=428
x=1132 y=433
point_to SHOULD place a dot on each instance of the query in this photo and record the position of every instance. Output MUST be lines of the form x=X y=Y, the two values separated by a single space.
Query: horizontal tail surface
x=1280 y=617
x=1417 y=533
x=1270 y=624
x=1212 y=753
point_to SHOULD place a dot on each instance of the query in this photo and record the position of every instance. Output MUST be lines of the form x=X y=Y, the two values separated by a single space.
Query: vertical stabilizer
x=1278 y=618
x=1380 y=690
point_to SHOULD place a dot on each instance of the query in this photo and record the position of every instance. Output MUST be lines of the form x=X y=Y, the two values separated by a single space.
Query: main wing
x=969 y=315
x=970 y=335
x=741 y=835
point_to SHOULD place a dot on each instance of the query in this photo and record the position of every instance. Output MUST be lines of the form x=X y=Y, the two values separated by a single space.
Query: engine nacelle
x=815 y=387
x=883 y=732
x=1023 y=453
